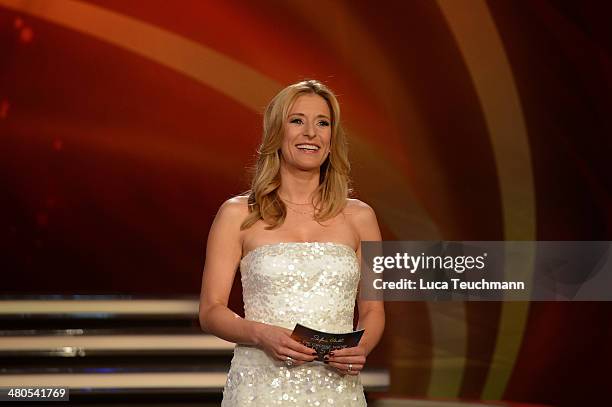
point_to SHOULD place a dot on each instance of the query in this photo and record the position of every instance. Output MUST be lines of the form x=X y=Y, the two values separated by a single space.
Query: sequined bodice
x=282 y=284
x=311 y=283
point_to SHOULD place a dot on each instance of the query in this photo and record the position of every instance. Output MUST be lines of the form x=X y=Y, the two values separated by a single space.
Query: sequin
x=314 y=284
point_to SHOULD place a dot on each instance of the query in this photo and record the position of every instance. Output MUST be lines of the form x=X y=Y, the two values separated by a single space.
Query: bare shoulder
x=363 y=219
x=225 y=234
x=359 y=209
x=235 y=208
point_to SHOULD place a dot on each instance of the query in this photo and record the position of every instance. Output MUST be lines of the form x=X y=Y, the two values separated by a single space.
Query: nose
x=309 y=131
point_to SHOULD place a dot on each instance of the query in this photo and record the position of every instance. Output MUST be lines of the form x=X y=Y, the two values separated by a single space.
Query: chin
x=307 y=167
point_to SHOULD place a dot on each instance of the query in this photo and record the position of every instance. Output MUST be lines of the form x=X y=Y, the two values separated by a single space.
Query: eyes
x=322 y=122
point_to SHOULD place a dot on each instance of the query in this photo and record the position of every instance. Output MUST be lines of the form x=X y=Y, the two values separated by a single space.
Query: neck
x=298 y=185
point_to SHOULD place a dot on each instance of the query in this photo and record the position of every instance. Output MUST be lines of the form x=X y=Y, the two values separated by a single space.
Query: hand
x=342 y=358
x=277 y=342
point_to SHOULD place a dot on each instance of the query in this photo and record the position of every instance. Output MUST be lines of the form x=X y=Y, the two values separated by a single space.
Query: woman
x=300 y=236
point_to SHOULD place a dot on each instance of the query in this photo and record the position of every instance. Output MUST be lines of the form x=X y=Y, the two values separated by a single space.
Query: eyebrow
x=303 y=115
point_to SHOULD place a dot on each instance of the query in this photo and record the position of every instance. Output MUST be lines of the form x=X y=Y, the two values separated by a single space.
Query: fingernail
x=326 y=357
x=331 y=353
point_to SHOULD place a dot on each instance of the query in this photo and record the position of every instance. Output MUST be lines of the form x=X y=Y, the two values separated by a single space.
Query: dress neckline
x=267 y=245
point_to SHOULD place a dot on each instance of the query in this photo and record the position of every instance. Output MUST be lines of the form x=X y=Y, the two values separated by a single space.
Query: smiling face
x=307 y=133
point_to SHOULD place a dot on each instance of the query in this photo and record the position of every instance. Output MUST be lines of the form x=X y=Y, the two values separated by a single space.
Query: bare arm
x=223 y=252
x=371 y=313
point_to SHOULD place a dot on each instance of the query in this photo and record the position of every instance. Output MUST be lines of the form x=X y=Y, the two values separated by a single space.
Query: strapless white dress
x=314 y=284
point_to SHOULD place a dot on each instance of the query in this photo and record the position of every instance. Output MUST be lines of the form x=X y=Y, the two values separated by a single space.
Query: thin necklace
x=300 y=212
x=295 y=203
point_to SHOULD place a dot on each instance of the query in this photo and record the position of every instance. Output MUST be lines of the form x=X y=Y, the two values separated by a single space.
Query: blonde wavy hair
x=330 y=196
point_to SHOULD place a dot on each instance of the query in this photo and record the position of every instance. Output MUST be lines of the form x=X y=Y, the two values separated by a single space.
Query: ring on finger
x=289 y=361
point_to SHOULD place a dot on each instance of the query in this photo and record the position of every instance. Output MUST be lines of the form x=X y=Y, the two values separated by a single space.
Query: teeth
x=307 y=147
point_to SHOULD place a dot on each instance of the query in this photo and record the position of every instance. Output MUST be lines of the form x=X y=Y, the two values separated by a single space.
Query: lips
x=308 y=147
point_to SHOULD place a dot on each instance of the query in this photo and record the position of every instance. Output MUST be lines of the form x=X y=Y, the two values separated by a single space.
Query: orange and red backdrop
x=124 y=125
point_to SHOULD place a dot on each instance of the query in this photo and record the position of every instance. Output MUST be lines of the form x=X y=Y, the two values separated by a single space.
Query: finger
x=343 y=368
x=296 y=363
x=298 y=347
x=348 y=351
x=296 y=355
x=347 y=359
x=283 y=358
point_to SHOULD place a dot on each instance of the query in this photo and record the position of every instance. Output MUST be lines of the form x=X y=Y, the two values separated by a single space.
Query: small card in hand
x=324 y=342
